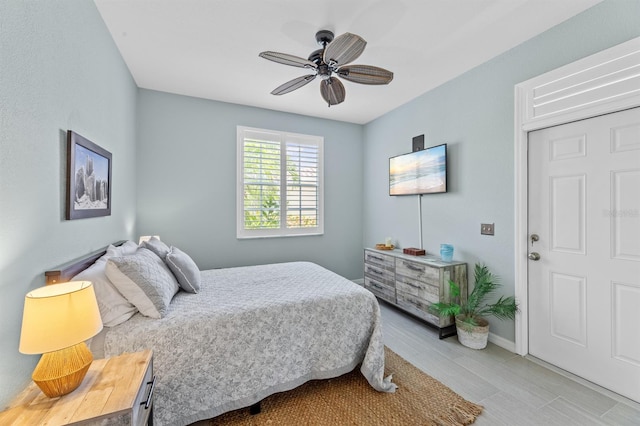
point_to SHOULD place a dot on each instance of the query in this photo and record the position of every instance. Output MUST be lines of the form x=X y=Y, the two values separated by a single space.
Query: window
x=279 y=184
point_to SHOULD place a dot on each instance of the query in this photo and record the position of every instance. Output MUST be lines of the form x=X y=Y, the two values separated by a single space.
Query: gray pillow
x=144 y=280
x=156 y=246
x=185 y=269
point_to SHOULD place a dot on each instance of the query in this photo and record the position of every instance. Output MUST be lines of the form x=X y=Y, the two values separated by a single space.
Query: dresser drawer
x=378 y=273
x=381 y=289
x=381 y=260
x=143 y=405
x=418 y=289
x=417 y=307
x=141 y=411
x=418 y=272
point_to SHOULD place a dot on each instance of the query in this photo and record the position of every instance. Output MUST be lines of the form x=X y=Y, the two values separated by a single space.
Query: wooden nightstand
x=115 y=389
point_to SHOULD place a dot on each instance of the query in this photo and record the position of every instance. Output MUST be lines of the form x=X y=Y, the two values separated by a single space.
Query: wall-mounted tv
x=419 y=172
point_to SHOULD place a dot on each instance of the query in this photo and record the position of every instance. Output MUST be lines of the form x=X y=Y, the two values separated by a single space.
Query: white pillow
x=144 y=280
x=114 y=308
x=129 y=247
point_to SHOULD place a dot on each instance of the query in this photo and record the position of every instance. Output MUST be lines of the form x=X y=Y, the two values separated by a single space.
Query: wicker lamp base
x=61 y=372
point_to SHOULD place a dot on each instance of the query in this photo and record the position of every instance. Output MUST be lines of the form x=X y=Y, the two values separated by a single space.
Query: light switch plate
x=486 y=228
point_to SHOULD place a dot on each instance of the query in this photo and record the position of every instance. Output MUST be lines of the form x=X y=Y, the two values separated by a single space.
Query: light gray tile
x=503 y=379
x=514 y=390
x=576 y=414
x=465 y=383
x=510 y=410
x=622 y=415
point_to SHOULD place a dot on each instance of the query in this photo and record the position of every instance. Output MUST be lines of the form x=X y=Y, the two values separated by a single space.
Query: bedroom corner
x=55 y=75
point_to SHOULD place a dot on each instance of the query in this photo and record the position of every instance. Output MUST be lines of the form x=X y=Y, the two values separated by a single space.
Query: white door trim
x=602 y=83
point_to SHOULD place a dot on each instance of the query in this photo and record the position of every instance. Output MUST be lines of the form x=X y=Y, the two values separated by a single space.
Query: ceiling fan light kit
x=331 y=59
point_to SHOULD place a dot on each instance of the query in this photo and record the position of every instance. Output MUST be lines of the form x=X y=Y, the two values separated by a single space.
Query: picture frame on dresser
x=88 y=178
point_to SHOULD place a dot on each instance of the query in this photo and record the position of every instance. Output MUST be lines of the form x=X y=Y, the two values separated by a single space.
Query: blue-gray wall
x=474 y=115
x=59 y=70
x=187 y=183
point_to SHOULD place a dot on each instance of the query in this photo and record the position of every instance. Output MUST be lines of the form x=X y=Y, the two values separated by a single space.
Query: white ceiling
x=209 y=48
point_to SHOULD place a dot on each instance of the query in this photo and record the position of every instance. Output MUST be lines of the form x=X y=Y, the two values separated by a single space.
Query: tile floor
x=514 y=390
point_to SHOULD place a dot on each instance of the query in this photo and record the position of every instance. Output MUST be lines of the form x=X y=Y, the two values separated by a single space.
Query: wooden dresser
x=412 y=283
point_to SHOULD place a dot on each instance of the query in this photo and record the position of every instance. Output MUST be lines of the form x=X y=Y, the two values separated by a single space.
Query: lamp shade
x=59 y=316
x=144 y=238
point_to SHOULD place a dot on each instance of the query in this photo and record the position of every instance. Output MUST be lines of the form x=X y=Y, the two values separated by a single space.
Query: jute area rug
x=349 y=400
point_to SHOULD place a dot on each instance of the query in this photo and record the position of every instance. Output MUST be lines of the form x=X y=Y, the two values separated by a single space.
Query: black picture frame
x=88 y=178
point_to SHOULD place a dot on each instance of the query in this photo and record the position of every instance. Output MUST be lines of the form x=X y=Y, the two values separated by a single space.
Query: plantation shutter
x=302 y=185
x=261 y=179
x=279 y=184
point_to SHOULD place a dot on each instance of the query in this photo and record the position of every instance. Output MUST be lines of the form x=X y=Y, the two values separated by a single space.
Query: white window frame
x=283 y=231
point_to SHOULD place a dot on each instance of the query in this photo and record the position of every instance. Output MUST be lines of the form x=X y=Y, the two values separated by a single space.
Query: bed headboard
x=67 y=271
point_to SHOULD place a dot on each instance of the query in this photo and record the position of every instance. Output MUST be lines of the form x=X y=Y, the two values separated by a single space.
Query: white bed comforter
x=251 y=332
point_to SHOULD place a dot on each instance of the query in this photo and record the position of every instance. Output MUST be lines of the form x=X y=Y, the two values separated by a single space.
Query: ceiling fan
x=331 y=59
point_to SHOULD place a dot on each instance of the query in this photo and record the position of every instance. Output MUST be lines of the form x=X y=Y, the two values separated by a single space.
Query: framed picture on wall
x=88 y=178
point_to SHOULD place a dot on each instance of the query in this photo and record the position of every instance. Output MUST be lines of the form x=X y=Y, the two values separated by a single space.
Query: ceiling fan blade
x=365 y=74
x=344 y=49
x=286 y=59
x=292 y=85
x=332 y=91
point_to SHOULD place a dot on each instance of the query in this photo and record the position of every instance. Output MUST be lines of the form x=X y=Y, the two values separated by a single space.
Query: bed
x=249 y=332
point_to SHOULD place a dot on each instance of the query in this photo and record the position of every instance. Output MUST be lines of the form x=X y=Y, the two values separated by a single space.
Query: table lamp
x=144 y=238
x=57 y=320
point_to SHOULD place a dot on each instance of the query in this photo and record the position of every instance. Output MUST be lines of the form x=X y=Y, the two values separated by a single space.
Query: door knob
x=533 y=256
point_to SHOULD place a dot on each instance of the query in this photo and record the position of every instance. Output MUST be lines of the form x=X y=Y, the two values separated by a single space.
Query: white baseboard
x=502 y=342
x=359 y=281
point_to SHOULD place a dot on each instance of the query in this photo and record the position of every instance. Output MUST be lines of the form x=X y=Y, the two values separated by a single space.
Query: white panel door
x=584 y=223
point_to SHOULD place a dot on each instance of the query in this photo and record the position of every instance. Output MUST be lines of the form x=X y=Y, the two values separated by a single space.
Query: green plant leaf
x=504 y=308
x=476 y=307
x=444 y=309
x=455 y=289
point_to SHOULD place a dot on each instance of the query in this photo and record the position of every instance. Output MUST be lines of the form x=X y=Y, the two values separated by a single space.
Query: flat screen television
x=419 y=172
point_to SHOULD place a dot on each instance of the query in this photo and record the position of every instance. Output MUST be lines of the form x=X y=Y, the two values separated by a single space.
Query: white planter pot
x=476 y=338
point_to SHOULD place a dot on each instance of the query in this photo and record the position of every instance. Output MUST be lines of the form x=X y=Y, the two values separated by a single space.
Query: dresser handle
x=378 y=286
x=412 y=285
x=413 y=268
x=369 y=256
x=375 y=272
x=147 y=403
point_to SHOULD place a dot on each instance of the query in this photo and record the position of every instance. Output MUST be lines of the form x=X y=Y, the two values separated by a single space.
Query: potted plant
x=472 y=327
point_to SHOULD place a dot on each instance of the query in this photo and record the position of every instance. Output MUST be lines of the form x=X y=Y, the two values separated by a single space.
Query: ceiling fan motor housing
x=324 y=72
x=316 y=56
x=324 y=37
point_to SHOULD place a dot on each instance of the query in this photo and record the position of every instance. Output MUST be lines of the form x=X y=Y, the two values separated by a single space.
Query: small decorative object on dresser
x=414 y=283
x=117 y=389
x=414 y=251
x=385 y=246
x=446 y=252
